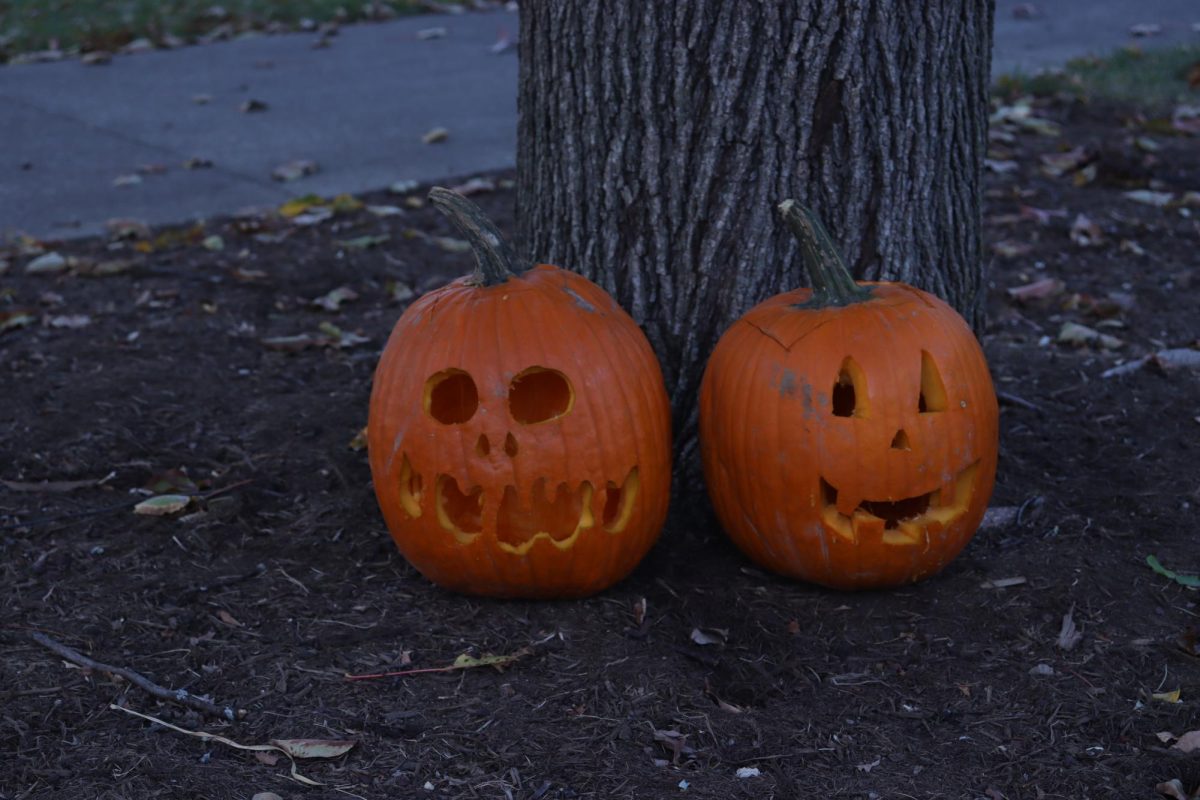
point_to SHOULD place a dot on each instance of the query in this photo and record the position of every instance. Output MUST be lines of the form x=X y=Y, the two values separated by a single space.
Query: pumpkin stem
x=831 y=281
x=494 y=258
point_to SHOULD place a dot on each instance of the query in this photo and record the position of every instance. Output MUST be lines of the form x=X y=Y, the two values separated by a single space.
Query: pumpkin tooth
x=848 y=503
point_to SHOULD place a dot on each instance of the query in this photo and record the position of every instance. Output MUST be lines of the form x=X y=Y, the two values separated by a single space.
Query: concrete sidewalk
x=358 y=108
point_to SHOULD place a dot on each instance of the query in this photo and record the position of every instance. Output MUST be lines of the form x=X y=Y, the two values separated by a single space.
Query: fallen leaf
x=15 y=318
x=252 y=106
x=1043 y=670
x=1058 y=164
x=1003 y=583
x=709 y=636
x=359 y=442
x=1000 y=166
x=1042 y=216
x=1143 y=29
x=214 y=243
x=426 y=34
x=294 y=170
x=345 y=204
x=385 y=211
x=1146 y=144
x=475 y=186
x=1186 y=119
x=1010 y=249
x=1172 y=789
x=263 y=758
x=1086 y=233
x=1165 y=736
x=1038 y=290
x=71 y=321
x=1176 y=358
x=1188 y=743
x=1171 y=697
x=1077 y=335
x=398 y=292
x=126 y=180
x=747 y=772
x=402 y=187
x=436 y=135
x=162 y=505
x=228 y=618
x=333 y=300
x=50 y=263
x=197 y=162
x=870 y=765
x=1069 y=635
x=315 y=748
x=1131 y=247
x=450 y=244
x=1149 y=198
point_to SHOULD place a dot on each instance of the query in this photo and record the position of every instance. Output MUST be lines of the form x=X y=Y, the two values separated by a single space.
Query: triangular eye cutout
x=849 y=395
x=933 y=391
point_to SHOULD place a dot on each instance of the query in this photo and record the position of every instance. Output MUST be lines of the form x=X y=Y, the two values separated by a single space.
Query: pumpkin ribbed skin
x=777 y=457
x=596 y=473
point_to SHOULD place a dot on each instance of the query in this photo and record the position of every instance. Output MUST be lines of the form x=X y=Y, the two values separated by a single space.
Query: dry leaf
x=1069 y=635
x=1188 y=743
x=315 y=748
x=228 y=618
x=1167 y=697
x=436 y=135
x=1038 y=290
x=333 y=299
x=1077 y=335
x=1149 y=198
x=162 y=505
x=1003 y=583
x=1086 y=233
x=1172 y=789
x=708 y=636
x=1010 y=249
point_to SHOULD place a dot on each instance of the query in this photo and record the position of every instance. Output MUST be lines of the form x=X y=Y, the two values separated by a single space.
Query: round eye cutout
x=540 y=394
x=451 y=397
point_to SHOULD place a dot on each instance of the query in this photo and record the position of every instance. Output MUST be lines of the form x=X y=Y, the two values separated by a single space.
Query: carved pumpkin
x=519 y=429
x=849 y=432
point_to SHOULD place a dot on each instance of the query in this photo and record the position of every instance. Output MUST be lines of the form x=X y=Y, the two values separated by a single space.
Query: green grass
x=85 y=25
x=1150 y=79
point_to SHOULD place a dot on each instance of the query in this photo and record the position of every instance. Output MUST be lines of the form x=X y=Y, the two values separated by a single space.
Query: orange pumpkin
x=849 y=432
x=519 y=429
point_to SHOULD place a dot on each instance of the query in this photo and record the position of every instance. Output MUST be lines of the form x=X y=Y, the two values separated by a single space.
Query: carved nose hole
x=482 y=445
x=510 y=446
x=900 y=441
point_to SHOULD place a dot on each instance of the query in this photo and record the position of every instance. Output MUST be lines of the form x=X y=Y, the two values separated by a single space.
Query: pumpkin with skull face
x=849 y=433
x=519 y=429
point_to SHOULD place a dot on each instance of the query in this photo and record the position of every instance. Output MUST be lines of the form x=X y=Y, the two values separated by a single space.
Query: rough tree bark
x=657 y=136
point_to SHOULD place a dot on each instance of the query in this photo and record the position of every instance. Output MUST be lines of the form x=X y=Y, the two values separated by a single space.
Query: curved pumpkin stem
x=494 y=258
x=832 y=283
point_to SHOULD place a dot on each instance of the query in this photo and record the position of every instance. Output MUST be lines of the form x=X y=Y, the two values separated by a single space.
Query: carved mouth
x=906 y=521
x=558 y=516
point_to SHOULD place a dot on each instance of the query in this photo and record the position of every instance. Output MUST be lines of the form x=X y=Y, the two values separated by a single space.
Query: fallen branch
x=464 y=661
x=182 y=696
x=292 y=748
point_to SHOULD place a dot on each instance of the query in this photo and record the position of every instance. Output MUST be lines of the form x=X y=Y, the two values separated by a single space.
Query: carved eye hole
x=849 y=396
x=933 y=391
x=451 y=397
x=538 y=395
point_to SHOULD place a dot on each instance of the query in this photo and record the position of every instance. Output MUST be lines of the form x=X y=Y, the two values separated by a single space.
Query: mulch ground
x=202 y=367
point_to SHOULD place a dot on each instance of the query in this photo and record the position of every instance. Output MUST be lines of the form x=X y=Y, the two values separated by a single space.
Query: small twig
x=182 y=696
x=96 y=512
x=1014 y=400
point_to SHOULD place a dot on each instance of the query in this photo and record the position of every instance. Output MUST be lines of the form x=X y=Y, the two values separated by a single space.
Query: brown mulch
x=280 y=578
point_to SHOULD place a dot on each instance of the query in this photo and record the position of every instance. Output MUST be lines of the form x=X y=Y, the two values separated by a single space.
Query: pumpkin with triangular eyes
x=850 y=432
x=519 y=429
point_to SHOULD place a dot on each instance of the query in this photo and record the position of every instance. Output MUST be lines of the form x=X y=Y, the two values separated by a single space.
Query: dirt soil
x=280 y=578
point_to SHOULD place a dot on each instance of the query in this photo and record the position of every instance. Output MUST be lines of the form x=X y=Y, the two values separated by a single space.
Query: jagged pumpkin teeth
x=519 y=432
x=865 y=413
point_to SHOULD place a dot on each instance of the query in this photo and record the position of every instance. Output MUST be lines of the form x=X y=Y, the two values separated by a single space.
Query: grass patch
x=1149 y=79
x=87 y=25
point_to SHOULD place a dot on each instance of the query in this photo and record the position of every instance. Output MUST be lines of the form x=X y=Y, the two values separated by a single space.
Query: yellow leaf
x=1167 y=697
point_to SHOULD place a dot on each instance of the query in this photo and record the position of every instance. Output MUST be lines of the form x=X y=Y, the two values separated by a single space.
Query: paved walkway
x=359 y=109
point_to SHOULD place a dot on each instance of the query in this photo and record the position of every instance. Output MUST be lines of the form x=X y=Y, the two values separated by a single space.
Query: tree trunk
x=657 y=136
